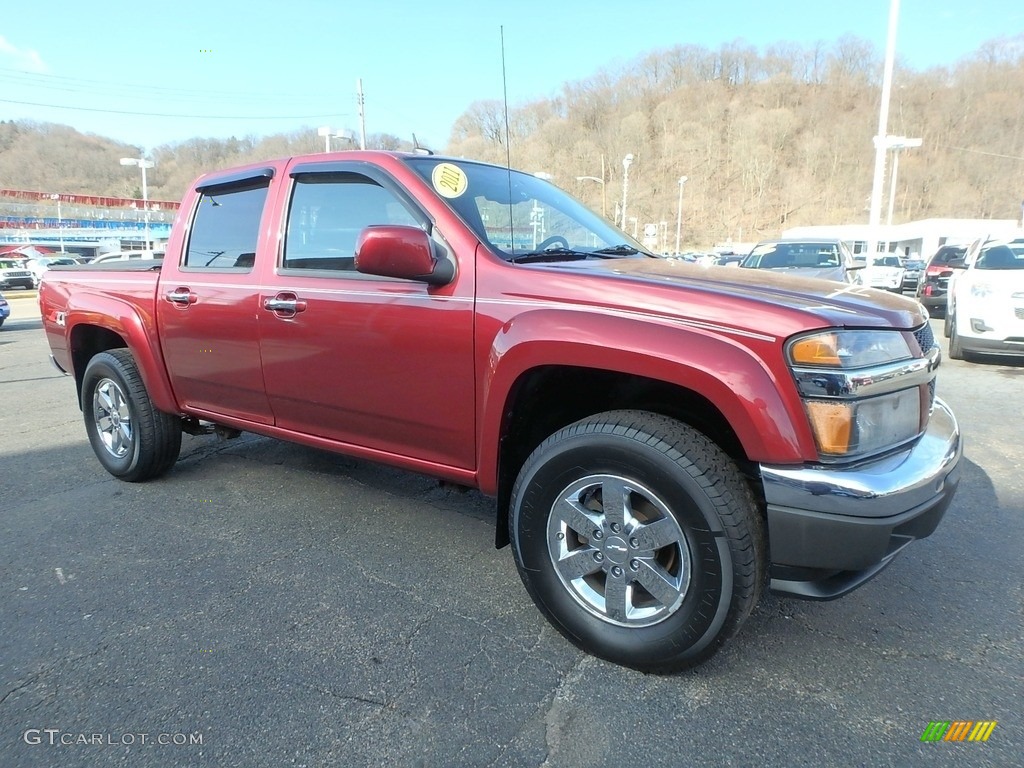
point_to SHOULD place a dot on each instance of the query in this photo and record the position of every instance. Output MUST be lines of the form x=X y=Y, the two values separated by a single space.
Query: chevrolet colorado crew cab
x=664 y=440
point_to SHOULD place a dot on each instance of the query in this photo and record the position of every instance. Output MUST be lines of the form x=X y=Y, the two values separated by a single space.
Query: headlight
x=861 y=390
x=849 y=349
x=848 y=428
x=981 y=290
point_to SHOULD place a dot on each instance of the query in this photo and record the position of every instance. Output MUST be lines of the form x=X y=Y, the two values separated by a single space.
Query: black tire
x=956 y=347
x=947 y=324
x=130 y=437
x=667 y=471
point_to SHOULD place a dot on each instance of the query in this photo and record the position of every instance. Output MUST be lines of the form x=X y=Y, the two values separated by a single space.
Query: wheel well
x=86 y=342
x=548 y=398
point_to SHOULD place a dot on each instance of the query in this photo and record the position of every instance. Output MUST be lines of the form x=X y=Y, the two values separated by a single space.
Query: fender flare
x=731 y=375
x=135 y=328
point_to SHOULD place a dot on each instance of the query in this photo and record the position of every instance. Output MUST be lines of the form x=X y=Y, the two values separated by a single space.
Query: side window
x=327 y=213
x=226 y=227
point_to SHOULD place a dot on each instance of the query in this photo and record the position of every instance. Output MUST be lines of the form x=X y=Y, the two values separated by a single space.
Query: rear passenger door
x=208 y=300
x=376 y=362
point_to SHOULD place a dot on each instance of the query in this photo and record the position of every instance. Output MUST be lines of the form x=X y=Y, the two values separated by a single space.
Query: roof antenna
x=419 y=150
x=508 y=146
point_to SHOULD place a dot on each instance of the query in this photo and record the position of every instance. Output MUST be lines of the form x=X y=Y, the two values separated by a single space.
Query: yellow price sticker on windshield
x=449 y=180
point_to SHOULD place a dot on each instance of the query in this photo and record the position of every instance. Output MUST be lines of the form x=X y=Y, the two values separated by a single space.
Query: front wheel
x=639 y=540
x=956 y=347
x=130 y=437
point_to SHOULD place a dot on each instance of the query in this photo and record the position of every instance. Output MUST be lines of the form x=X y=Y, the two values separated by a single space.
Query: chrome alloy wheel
x=112 y=417
x=619 y=551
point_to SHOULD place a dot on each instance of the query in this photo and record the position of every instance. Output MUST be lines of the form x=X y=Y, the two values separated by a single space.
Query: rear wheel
x=638 y=539
x=130 y=437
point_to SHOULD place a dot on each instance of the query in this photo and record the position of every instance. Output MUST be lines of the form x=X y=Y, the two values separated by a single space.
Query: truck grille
x=925 y=337
x=17 y=273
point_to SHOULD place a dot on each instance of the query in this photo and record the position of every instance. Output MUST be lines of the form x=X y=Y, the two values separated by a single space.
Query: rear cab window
x=226 y=225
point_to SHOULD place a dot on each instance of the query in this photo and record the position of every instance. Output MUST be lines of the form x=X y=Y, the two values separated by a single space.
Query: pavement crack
x=29 y=681
x=48 y=668
x=548 y=706
x=347 y=696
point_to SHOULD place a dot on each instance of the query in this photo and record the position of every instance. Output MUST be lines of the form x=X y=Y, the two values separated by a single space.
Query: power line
x=990 y=154
x=137 y=90
x=167 y=114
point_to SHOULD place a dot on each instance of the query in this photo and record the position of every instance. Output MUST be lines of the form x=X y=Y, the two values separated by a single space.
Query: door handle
x=182 y=296
x=282 y=304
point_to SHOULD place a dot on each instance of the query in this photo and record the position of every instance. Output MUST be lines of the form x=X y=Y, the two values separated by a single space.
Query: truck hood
x=741 y=297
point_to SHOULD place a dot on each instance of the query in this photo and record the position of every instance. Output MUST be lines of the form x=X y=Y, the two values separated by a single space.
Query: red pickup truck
x=664 y=439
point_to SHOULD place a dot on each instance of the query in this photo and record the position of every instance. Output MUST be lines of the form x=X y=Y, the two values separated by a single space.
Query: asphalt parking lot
x=271 y=605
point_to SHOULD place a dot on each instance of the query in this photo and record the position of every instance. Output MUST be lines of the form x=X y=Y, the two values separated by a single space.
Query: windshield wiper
x=549 y=254
x=616 y=250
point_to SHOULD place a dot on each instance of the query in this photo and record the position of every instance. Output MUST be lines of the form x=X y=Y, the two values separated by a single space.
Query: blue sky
x=220 y=68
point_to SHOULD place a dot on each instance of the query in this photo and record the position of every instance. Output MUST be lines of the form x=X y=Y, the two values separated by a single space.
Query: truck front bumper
x=832 y=529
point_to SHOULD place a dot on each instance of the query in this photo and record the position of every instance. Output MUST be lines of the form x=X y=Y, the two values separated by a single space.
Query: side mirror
x=957 y=264
x=404 y=252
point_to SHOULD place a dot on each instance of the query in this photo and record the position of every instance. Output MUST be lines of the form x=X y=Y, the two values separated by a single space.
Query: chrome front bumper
x=831 y=529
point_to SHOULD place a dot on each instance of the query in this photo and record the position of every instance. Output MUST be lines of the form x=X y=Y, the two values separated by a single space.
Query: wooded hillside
x=773 y=139
x=768 y=139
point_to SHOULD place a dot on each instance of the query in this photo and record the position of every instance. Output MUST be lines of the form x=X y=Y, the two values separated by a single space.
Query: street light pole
x=60 y=225
x=626 y=162
x=896 y=143
x=679 y=213
x=604 y=210
x=142 y=163
x=327 y=132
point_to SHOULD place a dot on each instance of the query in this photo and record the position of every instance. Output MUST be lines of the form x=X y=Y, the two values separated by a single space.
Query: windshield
x=1002 y=256
x=796 y=256
x=520 y=215
x=886 y=261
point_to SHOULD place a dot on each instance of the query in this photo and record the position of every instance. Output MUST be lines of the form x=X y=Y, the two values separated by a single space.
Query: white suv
x=885 y=272
x=985 y=302
x=14 y=274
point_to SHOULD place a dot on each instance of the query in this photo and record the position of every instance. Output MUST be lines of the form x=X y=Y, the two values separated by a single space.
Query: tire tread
x=721 y=480
x=158 y=433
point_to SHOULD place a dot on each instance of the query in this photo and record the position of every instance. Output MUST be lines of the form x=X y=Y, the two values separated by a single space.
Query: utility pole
x=360 y=101
x=679 y=213
x=875 y=214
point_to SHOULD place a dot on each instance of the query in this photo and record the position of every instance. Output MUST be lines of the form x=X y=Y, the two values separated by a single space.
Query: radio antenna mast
x=508 y=145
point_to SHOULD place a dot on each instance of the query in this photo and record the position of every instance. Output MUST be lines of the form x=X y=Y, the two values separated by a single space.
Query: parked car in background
x=730 y=259
x=42 y=263
x=823 y=258
x=932 y=285
x=885 y=272
x=5 y=309
x=985 y=300
x=14 y=274
x=128 y=256
x=912 y=270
